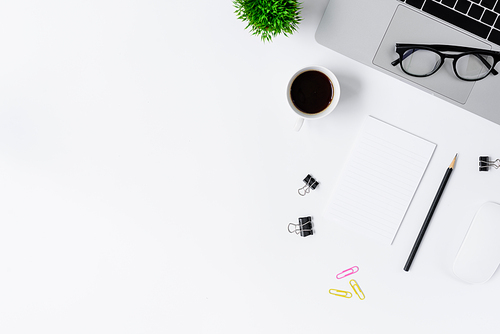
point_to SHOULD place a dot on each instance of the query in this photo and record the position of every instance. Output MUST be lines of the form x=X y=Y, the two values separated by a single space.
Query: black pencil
x=429 y=214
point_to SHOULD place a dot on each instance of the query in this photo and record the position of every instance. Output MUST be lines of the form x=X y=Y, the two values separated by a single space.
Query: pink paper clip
x=348 y=272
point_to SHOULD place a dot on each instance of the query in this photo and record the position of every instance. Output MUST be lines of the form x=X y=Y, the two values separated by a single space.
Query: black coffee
x=311 y=92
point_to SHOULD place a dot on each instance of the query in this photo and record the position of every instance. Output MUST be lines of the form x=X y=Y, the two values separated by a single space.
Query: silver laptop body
x=367 y=31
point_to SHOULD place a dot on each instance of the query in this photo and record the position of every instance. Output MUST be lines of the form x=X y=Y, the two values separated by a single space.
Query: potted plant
x=269 y=18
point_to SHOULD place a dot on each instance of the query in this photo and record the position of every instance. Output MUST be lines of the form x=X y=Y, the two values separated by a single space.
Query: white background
x=149 y=170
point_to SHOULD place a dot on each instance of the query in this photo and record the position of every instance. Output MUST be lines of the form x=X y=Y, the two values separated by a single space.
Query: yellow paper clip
x=357 y=289
x=340 y=293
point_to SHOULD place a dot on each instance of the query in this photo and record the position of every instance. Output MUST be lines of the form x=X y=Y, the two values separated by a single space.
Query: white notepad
x=379 y=180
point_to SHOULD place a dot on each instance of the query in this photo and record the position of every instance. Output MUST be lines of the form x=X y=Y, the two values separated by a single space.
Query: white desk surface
x=149 y=170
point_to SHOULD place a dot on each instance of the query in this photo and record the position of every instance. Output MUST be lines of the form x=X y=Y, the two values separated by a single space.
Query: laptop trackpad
x=429 y=31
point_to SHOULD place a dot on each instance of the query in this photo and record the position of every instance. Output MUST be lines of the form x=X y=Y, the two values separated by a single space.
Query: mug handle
x=298 y=124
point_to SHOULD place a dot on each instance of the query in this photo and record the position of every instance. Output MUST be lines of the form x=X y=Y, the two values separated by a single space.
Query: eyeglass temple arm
x=397 y=61
x=442 y=47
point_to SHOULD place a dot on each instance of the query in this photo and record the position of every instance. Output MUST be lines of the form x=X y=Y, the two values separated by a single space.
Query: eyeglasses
x=469 y=64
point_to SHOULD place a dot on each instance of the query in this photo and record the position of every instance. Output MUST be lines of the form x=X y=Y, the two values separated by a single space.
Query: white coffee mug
x=317 y=113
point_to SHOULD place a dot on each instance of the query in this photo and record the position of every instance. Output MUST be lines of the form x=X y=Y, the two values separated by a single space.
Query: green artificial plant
x=269 y=18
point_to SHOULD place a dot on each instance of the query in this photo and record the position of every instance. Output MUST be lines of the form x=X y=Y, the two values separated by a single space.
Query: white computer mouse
x=479 y=255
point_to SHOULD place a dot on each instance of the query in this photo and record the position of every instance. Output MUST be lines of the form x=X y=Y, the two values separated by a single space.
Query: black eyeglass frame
x=401 y=48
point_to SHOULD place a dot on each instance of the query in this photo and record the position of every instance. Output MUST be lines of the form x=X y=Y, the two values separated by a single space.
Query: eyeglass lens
x=422 y=62
x=474 y=66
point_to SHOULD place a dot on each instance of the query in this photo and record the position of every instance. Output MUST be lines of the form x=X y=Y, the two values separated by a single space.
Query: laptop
x=368 y=30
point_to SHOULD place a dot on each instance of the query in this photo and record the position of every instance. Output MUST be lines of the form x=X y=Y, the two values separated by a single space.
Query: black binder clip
x=304 y=228
x=310 y=183
x=485 y=163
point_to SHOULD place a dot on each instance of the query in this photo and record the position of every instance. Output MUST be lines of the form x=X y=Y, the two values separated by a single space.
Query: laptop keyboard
x=479 y=17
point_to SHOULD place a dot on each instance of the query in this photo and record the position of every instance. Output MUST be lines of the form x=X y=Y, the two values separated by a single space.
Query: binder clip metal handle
x=485 y=163
x=310 y=183
x=294 y=228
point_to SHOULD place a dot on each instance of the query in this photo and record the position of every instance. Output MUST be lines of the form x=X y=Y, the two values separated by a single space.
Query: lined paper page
x=379 y=180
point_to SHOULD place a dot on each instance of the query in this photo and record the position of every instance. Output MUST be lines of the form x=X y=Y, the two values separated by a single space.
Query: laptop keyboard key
x=456 y=18
x=488 y=3
x=463 y=6
x=494 y=36
x=416 y=3
x=449 y=3
x=476 y=11
x=497 y=8
x=489 y=17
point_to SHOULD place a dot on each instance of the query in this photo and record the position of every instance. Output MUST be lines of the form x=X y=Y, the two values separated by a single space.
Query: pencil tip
x=452 y=165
